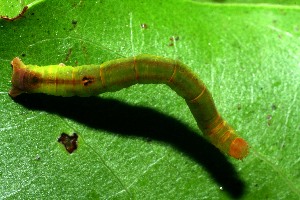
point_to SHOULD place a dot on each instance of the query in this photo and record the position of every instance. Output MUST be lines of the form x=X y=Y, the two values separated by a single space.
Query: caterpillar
x=89 y=80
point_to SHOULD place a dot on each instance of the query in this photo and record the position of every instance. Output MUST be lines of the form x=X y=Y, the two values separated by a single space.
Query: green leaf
x=11 y=9
x=142 y=142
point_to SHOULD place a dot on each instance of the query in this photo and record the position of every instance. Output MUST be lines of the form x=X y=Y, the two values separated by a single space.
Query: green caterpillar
x=89 y=80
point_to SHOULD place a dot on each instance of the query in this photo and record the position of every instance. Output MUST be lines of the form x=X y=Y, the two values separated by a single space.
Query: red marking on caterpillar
x=114 y=75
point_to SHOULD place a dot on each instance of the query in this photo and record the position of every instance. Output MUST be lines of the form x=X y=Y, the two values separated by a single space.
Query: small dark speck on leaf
x=274 y=107
x=69 y=141
x=269 y=118
x=74 y=22
x=37 y=158
x=23 y=54
x=144 y=26
x=174 y=38
x=68 y=54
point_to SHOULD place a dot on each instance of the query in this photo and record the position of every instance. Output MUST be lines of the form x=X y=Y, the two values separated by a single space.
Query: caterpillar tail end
x=239 y=148
x=17 y=66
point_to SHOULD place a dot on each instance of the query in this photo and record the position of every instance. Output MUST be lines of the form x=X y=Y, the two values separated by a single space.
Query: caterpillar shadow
x=129 y=120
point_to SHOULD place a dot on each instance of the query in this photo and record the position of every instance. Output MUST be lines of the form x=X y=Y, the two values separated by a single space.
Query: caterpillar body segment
x=114 y=75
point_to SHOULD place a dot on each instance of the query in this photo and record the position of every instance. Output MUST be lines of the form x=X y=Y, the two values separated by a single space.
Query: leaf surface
x=142 y=142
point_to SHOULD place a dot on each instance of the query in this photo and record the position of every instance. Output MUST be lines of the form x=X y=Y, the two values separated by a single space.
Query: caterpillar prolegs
x=89 y=80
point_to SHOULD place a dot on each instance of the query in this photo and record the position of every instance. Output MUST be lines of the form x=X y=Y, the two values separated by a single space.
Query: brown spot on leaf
x=269 y=118
x=16 y=17
x=37 y=158
x=69 y=141
x=68 y=54
x=144 y=26
x=174 y=38
x=274 y=107
x=74 y=22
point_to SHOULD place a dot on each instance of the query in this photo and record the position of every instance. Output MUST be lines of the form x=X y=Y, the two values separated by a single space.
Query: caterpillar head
x=23 y=80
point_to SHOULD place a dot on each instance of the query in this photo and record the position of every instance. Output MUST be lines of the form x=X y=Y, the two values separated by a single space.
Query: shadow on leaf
x=127 y=120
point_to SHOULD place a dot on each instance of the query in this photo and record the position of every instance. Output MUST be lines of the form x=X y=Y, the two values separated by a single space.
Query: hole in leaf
x=69 y=141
